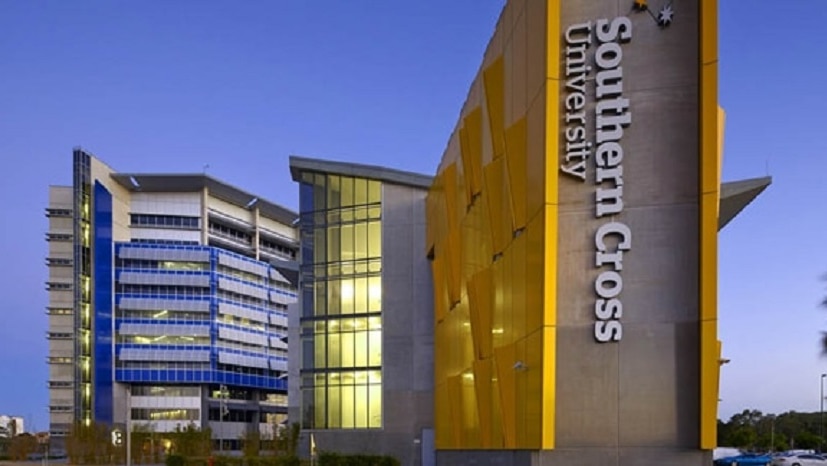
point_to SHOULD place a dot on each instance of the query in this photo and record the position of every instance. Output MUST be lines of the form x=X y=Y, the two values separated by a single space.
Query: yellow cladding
x=494 y=81
x=492 y=220
x=515 y=143
x=711 y=146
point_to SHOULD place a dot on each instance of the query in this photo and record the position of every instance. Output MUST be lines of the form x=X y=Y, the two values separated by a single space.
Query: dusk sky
x=174 y=86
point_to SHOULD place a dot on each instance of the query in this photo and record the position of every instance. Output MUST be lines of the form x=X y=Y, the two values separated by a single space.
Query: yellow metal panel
x=494 y=82
x=455 y=408
x=533 y=394
x=440 y=293
x=516 y=145
x=498 y=204
x=505 y=358
x=473 y=128
x=711 y=136
x=483 y=374
x=721 y=128
x=470 y=418
x=467 y=167
x=517 y=272
x=710 y=366
x=549 y=395
x=449 y=177
x=709 y=128
x=480 y=300
x=709 y=31
x=534 y=273
x=553 y=42
x=550 y=267
x=552 y=140
x=442 y=416
x=536 y=159
x=454 y=266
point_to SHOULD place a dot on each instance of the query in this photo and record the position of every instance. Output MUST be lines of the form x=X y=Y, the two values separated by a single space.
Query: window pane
x=319 y=246
x=361 y=349
x=333 y=297
x=347 y=407
x=374 y=294
x=360 y=191
x=375 y=406
x=361 y=295
x=319 y=192
x=319 y=351
x=334 y=406
x=333 y=244
x=347 y=243
x=347 y=191
x=375 y=342
x=375 y=239
x=347 y=349
x=360 y=246
x=334 y=352
x=321 y=298
x=347 y=296
x=361 y=408
x=334 y=193
x=374 y=191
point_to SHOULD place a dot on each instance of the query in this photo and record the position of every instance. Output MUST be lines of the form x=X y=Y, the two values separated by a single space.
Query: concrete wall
x=407 y=322
x=636 y=401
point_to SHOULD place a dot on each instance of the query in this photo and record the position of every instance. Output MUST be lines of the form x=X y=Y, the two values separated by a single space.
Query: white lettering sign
x=611 y=116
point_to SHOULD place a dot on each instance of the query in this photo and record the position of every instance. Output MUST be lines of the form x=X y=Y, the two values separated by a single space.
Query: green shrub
x=175 y=460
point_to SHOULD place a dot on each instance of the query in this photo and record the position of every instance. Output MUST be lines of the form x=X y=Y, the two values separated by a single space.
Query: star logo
x=665 y=16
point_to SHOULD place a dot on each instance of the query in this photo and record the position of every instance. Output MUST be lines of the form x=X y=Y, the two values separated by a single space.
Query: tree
x=22 y=446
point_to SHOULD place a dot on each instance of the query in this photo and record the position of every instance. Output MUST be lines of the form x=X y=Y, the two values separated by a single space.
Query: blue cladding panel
x=103 y=283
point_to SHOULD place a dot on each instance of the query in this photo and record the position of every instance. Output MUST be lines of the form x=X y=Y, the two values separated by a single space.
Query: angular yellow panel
x=709 y=257
x=470 y=418
x=534 y=273
x=473 y=128
x=505 y=360
x=552 y=138
x=440 y=293
x=494 y=81
x=454 y=266
x=517 y=272
x=720 y=155
x=467 y=166
x=516 y=146
x=455 y=408
x=449 y=177
x=499 y=211
x=442 y=417
x=536 y=160
x=483 y=373
x=480 y=298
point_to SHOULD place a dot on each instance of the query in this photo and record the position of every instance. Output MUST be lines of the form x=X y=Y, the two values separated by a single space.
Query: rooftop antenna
x=206 y=166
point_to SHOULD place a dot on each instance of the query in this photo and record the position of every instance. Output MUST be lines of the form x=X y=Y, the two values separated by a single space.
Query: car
x=799 y=460
x=747 y=459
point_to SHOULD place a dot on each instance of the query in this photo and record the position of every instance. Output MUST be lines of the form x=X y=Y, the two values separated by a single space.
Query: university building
x=168 y=298
x=550 y=295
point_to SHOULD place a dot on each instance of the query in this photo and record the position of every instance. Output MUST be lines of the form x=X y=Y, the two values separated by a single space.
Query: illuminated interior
x=341 y=231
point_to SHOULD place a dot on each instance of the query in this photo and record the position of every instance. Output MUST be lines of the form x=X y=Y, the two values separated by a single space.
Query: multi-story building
x=362 y=376
x=168 y=299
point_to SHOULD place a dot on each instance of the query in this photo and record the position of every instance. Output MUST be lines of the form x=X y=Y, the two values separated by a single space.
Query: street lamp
x=821 y=413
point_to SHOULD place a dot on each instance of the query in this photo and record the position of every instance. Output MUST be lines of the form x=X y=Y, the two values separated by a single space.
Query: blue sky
x=238 y=86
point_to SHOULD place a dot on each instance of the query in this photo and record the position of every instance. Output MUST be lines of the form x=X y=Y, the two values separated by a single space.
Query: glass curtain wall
x=341 y=323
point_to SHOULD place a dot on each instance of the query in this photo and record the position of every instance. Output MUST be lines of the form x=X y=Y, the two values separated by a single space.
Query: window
x=165 y=221
x=341 y=327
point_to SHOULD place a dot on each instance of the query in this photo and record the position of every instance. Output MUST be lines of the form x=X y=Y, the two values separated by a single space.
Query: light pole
x=821 y=413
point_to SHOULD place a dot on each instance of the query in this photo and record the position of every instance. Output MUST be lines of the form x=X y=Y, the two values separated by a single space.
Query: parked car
x=799 y=460
x=747 y=459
